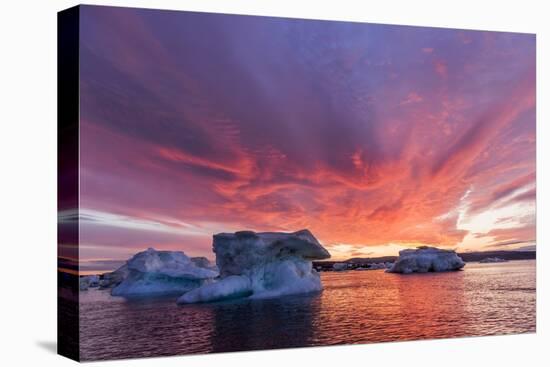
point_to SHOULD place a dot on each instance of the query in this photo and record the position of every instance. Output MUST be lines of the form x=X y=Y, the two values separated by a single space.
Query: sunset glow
x=373 y=137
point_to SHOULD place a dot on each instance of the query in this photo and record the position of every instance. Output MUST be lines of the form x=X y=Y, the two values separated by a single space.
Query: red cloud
x=441 y=68
x=273 y=132
x=525 y=234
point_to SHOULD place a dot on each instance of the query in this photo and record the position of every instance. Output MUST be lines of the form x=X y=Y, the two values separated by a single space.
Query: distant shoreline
x=466 y=256
x=356 y=261
x=323 y=265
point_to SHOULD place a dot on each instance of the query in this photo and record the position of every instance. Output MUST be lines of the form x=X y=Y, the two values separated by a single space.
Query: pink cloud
x=273 y=132
x=412 y=97
x=441 y=68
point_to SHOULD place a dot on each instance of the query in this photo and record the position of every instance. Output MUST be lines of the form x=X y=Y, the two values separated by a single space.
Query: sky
x=374 y=137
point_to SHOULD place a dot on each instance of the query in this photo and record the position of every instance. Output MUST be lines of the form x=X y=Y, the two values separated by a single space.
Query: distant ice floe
x=426 y=259
x=88 y=281
x=261 y=265
x=155 y=273
x=376 y=266
x=340 y=266
x=112 y=279
x=493 y=260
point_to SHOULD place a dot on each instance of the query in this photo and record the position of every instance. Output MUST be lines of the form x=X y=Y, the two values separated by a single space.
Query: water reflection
x=264 y=324
x=384 y=307
x=354 y=307
x=430 y=305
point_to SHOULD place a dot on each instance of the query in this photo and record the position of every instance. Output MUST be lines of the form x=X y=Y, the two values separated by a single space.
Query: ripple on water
x=354 y=307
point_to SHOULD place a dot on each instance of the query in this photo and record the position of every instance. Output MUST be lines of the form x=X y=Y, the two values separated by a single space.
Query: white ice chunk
x=152 y=273
x=88 y=281
x=93 y=280
x=112 y=279
x=262 y=265
x=233 y=286
x=426 y=259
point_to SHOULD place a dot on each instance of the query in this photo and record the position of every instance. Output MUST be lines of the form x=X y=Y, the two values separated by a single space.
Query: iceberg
x=112 y=279
x=262 y=265
x=426 y=259
x=155 y=273
x=233 y=286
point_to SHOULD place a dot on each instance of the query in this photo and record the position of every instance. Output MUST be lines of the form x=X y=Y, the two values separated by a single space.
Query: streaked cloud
x=374 y=137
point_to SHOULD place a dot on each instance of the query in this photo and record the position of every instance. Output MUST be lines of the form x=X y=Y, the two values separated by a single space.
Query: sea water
x=355 y=307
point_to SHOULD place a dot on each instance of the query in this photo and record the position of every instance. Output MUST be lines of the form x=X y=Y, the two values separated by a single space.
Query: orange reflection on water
x=354 y=307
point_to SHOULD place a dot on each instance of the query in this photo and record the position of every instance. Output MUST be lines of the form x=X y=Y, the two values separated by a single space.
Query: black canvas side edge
x=68 y=340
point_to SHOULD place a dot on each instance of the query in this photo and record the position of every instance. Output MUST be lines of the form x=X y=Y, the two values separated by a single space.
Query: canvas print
x=236 y=183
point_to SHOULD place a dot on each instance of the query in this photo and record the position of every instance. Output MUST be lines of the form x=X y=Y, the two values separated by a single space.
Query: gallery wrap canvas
x=237 y=183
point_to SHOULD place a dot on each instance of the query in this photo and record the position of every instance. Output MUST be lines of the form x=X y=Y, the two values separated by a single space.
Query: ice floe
x=426 y=259
x=88 y=281
x=153 y=273
x=262 y=265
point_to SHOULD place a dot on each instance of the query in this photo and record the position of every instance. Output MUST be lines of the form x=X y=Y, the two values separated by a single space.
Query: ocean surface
x=355 y=307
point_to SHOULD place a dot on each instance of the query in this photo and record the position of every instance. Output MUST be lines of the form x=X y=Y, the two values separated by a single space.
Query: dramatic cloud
x=374 y=137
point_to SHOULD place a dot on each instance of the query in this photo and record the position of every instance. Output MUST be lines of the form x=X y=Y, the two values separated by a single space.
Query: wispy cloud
x=274 y=128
